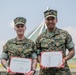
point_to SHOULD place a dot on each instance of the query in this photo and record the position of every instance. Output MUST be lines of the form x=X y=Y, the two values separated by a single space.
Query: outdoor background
x=33 y=10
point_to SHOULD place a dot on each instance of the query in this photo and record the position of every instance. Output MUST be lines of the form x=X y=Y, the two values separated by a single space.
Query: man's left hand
x=30 y=73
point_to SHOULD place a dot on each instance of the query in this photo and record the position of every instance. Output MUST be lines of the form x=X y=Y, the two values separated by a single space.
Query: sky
x=33 y=10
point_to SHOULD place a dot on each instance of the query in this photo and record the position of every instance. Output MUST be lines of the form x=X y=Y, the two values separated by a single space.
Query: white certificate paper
x=51 y=59
x=20 y=65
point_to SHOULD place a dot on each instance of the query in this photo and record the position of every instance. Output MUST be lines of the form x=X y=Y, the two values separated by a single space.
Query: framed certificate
x=51 y=59
x=20 y=65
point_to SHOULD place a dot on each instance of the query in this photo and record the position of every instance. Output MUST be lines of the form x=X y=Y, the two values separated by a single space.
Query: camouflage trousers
x=55 y=71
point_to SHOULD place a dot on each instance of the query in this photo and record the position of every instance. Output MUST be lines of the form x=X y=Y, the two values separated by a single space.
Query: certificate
x=51 y=59
x=20 y=65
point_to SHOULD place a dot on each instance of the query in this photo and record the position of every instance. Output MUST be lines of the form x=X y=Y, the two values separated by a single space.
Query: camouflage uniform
x=59 y=41
x=19 y=48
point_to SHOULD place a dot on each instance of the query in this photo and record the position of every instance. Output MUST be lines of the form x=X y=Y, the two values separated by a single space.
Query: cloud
x=11 y=24
x=72 y=32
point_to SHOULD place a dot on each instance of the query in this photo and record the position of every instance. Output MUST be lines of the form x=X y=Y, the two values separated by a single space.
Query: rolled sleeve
x=38 y=51
x=69 y=41
x=70 y=45
x=4 y=56
x=34 y=56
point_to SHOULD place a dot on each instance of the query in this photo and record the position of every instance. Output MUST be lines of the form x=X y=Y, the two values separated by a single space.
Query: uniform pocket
x=44 y=43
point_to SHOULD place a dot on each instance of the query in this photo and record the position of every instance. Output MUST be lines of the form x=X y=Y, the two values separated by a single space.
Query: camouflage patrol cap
x=19 y=20
x=50 y=12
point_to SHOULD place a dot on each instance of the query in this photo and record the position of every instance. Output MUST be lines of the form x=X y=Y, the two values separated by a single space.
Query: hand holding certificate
x=20 y=65
x=51 y=59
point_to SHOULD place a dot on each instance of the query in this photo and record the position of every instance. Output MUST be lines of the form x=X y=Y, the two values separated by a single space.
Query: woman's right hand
x=9 y=71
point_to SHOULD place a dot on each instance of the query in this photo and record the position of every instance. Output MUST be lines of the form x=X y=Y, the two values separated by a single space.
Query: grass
x=72 y=64
x=0 y=65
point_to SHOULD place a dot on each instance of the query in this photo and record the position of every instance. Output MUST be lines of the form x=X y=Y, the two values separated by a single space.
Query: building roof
x=35 y=33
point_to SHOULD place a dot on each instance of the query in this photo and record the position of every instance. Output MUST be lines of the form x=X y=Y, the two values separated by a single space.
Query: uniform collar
x=56 y=31
x=19 y=41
